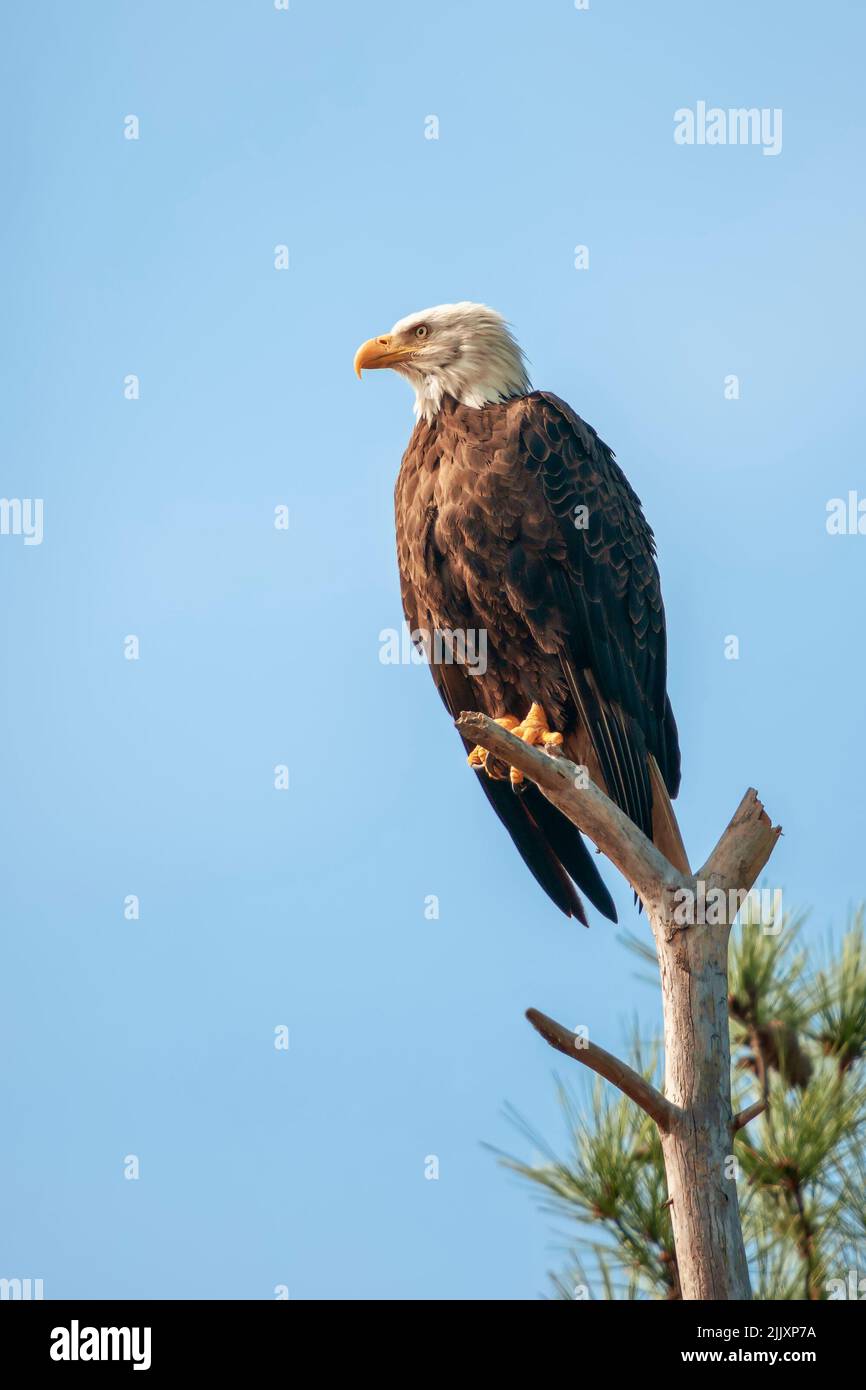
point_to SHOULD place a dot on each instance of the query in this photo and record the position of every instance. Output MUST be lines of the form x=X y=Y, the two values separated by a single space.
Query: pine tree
x=798 y=1039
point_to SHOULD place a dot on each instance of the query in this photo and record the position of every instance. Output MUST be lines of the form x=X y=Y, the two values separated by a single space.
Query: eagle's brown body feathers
x=491 y=535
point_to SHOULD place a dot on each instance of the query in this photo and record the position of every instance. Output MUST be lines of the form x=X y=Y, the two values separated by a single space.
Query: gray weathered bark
x=694 y=1117
x=697 y=1147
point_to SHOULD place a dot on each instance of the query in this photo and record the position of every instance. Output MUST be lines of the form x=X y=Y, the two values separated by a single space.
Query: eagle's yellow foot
x=534 y=730
x=479 y=756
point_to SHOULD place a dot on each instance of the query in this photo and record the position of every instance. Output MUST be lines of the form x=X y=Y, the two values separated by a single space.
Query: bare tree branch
x=735 y=863
x=630 y=1082
x=743 y=1118
x=585 y=804
x=745 y=846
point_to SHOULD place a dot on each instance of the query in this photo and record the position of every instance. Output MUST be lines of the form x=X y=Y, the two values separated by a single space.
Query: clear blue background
x=258 y=647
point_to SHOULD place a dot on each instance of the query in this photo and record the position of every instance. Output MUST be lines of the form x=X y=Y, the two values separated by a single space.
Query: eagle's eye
x=421 y=331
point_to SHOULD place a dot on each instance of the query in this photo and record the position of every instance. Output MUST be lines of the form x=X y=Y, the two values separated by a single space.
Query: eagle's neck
x=429 y=394
x=474 y=384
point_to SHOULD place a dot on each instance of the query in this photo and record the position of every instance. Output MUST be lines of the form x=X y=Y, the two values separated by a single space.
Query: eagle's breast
x=472 y=524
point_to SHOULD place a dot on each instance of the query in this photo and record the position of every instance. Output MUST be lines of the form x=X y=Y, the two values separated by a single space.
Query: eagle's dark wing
x=607 y=597
x=550 y=846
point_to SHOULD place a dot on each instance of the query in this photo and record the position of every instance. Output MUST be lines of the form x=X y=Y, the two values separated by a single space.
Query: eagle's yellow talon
x=478 y=757
x=532 y=730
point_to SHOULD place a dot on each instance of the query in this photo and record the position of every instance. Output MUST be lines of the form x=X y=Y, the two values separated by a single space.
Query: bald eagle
x=515 y=521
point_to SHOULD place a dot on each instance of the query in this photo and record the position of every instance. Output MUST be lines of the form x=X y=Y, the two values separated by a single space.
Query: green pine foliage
x=798 y=1040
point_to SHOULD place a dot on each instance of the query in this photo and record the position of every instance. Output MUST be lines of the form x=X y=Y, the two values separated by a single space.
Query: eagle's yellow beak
x=379 y=352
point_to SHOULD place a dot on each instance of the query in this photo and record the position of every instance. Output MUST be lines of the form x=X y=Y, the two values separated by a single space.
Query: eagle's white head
x=462 y=350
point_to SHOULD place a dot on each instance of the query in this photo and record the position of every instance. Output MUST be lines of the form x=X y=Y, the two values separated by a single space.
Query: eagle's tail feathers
x=568 y=845
x=535 y=850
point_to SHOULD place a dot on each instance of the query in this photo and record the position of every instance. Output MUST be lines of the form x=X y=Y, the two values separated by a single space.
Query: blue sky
x=259 y=647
